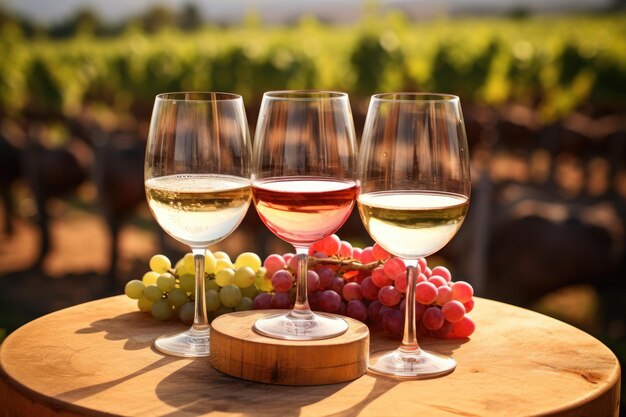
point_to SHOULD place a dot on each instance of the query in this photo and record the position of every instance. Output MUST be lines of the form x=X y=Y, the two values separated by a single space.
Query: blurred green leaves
x=557 y=63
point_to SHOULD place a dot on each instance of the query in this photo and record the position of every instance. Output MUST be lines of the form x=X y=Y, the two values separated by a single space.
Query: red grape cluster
x=370 y=285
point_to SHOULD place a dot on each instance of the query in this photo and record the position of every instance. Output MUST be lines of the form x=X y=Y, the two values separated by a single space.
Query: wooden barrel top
x=96 y=359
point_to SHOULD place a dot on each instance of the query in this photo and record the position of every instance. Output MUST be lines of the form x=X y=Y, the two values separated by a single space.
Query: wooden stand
x=238 y=351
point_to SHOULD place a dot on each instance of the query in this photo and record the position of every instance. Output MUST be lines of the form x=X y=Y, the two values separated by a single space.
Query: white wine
x=412 y=224
x=198 y=209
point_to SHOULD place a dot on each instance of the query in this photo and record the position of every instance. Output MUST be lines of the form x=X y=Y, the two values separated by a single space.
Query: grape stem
x=345 y=264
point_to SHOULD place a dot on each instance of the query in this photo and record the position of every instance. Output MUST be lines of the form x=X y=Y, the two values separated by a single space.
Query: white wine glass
x=197 y=181
x=414 y=194
x=304 y=189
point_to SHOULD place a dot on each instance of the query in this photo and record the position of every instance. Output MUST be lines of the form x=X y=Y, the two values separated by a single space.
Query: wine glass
x=197 y=180
x=414 y=192
x=303 y=187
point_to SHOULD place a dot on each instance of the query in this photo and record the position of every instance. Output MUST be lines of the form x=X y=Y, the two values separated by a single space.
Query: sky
x=49 y=11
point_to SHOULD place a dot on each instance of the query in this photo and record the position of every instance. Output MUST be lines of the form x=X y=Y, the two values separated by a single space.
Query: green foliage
x=557 y=62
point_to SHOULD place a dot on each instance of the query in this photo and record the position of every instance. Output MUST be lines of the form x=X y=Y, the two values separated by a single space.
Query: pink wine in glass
x=303 y=210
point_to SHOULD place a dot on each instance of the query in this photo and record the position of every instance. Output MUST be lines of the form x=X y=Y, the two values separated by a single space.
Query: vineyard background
x=544 y=99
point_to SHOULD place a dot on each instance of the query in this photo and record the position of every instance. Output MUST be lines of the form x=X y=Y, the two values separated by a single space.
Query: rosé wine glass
x=303 y=188
x=197 y=180
x=414 y=179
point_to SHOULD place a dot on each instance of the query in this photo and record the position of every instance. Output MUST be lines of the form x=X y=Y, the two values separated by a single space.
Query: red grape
x=423 y=264
x=357 y=310
x=342 y=309
x=293 y=263
x=401 y=281
x=369 y=289
x=345 y=249
x=469 y=305
x=393 y=321
x=262 y=301
x=453 y=311
x=379 y=253
x=326 y=275
x=425 y=292
x=373 y=310
x=419 y=308
x=352 y=291
x=426 y=271
x=380 y=278
x=314 y=299
x=464 y=327
x=394 y=266
x=438 y=281
x=367 y=255
x=421 y=278
x=329 y=245
x=337 y=285
x=389 y=296
x=432 y=318
x=445 y=331
x=444 y=294
x=330 y=301
x=281 y=300
x=462 y=291
x=273 y=263
x=356 y=254
x=282 y=280
x=442 y=271
x=312 y=280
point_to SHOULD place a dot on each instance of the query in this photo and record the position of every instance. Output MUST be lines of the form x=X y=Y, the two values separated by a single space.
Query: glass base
x=188 y=344
x=288 y=326
x=410 y=365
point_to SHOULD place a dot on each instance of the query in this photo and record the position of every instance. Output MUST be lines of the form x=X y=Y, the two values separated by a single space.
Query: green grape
x=179 y=266
x=134 y=289
x=186 y=312
x=161 y=310
x=244 y=277
x=250 y=259
x=225 y=277
x=166 y=282
x=261 y=272
x=223 y=310
x=261 y=281
x=223 y=264
x=210 y=284
x=183 y=266
x=144 y=304
x=212 y=300
x=160 y=263
x=222 y=255
x=177 y=297
x=230 y=295
x=152 y=292
x=249 y=292
x=150 y=277
x=244 y=305
x=210 y=262
x=187 y=282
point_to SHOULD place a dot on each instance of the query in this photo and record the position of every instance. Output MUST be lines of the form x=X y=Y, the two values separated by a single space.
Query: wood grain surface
x=96 y=359
x=238 y=351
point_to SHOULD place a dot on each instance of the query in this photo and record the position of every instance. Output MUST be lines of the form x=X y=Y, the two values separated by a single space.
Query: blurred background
x=543 y=90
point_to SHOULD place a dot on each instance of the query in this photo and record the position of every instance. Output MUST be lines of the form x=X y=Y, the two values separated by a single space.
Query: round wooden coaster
x=238 y=351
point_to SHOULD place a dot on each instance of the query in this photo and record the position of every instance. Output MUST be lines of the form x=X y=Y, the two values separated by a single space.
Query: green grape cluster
x=168 y=292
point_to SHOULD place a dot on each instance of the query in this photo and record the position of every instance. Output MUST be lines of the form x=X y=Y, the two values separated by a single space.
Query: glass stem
x=301 y=308
x=200 y=320
x=409 y=341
